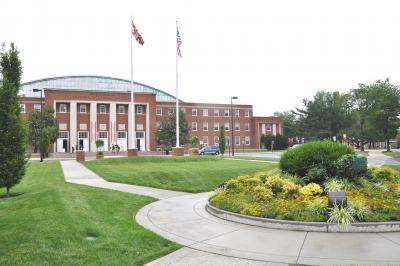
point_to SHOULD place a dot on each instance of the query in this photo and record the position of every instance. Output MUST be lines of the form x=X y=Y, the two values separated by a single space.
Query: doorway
x=140 y=141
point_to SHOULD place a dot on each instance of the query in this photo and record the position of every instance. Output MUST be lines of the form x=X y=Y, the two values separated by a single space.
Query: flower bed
x=371 y=198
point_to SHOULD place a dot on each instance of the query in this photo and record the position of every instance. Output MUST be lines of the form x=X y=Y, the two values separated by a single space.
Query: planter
x=194 y=151
x=370 y=227
x=99 y=156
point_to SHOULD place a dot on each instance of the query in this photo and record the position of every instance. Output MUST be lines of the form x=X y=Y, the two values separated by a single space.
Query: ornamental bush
x=316 y=159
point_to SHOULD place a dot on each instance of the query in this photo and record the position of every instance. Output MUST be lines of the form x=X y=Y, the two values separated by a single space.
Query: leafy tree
x=291 y=123
x=37 y=137
x=13 y=156
x=166 y=135
x=280 y=141
x=194 y=141
x=222 y=140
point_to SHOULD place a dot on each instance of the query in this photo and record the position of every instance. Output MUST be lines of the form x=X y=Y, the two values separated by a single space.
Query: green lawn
x=191 y=173
x=393 y=154
x=48 y=224
x=267 y=159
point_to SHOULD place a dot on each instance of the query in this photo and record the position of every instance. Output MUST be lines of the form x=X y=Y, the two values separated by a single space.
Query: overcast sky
x=271 y=54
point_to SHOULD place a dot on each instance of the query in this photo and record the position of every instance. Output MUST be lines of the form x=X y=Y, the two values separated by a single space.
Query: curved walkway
x=184 y=220
x=377 y=158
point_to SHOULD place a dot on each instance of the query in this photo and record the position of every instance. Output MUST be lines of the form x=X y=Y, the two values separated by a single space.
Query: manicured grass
x=191 y=173
x=267 y=159
x=48 y=224
x=392 y=154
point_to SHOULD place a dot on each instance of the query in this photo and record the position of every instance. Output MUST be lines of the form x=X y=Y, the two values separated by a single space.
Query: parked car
x=209 y=150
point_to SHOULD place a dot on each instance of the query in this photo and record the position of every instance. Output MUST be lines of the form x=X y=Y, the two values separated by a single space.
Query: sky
x=271 y=54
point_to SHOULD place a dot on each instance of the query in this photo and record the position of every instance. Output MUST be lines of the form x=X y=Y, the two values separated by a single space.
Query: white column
x=274 y=129
x=113 y=124
x=263 y=130
x=130 y=127
x=93 y=126
x=72 y=124
x=147 y=127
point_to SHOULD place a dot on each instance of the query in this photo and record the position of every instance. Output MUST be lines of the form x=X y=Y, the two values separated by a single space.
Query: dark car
x=209 y=150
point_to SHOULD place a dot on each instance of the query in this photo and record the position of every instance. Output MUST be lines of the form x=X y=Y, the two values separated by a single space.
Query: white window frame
x=205 y=140
x=237 y=126
x=60 y=109
x=194 y=126
x=100 y=109
x=268 y=127
x=227 y=140
x=194 y=112
x=22 y=106
x=139 y=107
x=226 y=112
x=158 y=110
x=237 y=143
x=120 y=132
x=246 y=113
x=102 y=134
x=227 y=126
x=216 y=140
x=216 y=112
x=205 y=112
x=247 y=140
x=80 y=108
x=120 y=108
x=247 y=126
x=205 y=126
x=63 y=135
x=216 y=126
x=237 y=113
x=158 y=125
x=83 y=133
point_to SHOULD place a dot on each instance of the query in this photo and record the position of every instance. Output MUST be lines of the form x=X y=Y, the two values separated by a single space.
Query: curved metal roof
x=94 y=83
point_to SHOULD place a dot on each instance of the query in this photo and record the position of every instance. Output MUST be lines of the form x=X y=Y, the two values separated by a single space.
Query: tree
x=166 y=135
x=13 y=156
x=291 y=123
x=99 y=144
x=222 y=140
x=42 y=138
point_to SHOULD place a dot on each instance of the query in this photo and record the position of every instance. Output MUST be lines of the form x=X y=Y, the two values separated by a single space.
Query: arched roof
x=94 y=83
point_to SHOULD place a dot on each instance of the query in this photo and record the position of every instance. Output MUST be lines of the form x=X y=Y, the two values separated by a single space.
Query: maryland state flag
x=136 y=34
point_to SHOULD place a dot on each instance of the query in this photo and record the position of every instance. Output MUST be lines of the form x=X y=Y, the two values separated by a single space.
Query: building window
x=237 y=140
x=22 y=106
x=268 y=127
x=247 y=113
x=102 y=126
x=194 y=126
x=139 y=135
x=121 y=109
x=216 y=126
x=227 y=126
x=103 y=109
x=139 y=109
x=158 y=125
x=170 y=110
x=237 y=113
x=226 y=112
x=216 y=112
x=194 y=112
x=82 y=126
x=63 y=108
x=158 y=111
x=205 y=112
x=205 y=126
x=82 y=135
x=102 y=134
x=121 y=134
x=63 y=134
x=121 y=126
x=247 y=140
x=62 y=126
x=82 y=108
x=205 y=141
x=227 y=141
x=247 y=126
x=237 y=126
x=216 y=140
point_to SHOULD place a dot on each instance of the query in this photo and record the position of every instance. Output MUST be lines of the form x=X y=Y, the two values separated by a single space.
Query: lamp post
x=232 y=136
x=41 y=122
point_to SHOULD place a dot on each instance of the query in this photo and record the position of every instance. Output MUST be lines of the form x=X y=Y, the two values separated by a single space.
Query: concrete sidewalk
x=77 y=173
x=377 y=158
x=184 y=220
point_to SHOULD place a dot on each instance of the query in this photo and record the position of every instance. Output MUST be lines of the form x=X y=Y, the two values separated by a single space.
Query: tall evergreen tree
x=12 y=129
x=166 y=134
x=222 y=140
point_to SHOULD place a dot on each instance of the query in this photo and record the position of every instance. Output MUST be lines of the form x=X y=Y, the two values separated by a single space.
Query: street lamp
x=41 y=122
x=232 y=136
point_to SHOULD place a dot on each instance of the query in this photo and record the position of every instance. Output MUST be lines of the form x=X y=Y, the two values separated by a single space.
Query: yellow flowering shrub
x=311 y=189
x=261 y=194
x=275 y=183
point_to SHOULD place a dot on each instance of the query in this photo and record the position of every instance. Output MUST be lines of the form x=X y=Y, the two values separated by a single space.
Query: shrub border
x=375 y=227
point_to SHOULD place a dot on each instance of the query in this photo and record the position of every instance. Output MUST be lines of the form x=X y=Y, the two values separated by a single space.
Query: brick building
x=94 y=107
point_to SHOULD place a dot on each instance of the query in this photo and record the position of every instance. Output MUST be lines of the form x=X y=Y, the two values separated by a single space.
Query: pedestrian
x=117 y=148
x=73 y=149
x=113 y=148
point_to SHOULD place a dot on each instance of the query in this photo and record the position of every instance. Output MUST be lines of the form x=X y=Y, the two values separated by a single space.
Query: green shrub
x=316 y=211
x=350 y=166
x=316 y=174
x=298 y=161
x=359 y=210
x=261 y=194
x=340 y=215
x=380 y=174
x=311 y=189
x=333 y=185
x=275 y=183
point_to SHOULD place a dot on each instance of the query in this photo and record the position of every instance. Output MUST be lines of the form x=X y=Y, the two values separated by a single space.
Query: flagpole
x=176 y=85
x=132 y=127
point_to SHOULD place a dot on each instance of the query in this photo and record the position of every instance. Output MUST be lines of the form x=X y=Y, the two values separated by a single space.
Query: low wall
x=377 y=227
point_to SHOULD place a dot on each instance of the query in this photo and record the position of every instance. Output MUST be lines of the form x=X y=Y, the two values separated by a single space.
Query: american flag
x=136 y=34
x=178 y=43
